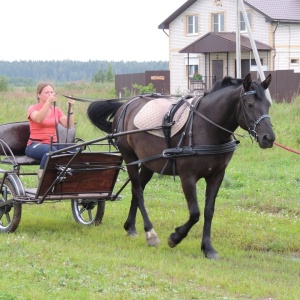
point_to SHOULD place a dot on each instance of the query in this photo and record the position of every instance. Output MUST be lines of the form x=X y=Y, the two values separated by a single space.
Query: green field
x=256 y=228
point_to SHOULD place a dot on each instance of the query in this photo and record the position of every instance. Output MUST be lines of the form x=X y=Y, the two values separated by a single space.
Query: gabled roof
x=213 y=42
x=273 y=10
x=165 y=24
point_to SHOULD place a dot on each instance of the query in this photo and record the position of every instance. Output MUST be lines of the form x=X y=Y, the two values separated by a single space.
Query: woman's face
x=46 y=92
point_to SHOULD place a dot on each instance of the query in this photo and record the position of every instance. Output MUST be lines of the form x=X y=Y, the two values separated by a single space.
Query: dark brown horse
x=203 y=148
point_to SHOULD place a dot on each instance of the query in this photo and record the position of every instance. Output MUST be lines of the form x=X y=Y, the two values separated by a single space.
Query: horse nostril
x=268 y=139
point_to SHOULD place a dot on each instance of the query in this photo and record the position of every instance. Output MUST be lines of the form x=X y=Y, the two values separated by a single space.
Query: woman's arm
x=39 y=115
x=64 y=120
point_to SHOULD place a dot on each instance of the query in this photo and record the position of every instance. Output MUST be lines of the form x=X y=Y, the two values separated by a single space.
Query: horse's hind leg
x=138 y=182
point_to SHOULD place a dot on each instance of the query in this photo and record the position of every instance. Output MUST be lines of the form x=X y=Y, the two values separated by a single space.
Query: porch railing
x=201 y=85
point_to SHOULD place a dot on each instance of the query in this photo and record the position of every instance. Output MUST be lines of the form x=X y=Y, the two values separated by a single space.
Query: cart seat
x=14 y=138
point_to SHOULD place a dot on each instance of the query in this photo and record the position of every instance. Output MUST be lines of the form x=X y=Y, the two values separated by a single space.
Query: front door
x=245 y=68
x=217 y=69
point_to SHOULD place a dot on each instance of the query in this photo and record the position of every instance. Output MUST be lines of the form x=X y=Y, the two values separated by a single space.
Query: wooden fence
x=285 y=85
x=160 y=80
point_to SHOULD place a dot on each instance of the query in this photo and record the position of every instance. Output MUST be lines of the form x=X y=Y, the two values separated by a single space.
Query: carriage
x=76 y=173
x=199 y=143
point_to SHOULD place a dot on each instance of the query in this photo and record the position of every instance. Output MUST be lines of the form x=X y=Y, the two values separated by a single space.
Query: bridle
x=252 y=132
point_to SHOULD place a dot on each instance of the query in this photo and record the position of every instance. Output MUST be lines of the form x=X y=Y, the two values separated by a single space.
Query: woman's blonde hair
x=41 y=86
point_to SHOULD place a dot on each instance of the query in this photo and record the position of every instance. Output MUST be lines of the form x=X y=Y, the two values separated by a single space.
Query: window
x=253 y=62
x=191 y=70
x=191 y=65
x=294 y=61
x=218 y=22
x=192 y=24
x=242 y=21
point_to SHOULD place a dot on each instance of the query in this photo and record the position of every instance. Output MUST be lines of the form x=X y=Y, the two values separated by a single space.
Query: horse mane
x=223 y=83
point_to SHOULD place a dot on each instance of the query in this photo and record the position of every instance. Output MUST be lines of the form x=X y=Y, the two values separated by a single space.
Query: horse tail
x=101 y=112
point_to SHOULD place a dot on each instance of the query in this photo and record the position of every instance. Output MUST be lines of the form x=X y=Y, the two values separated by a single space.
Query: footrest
x=20 y=160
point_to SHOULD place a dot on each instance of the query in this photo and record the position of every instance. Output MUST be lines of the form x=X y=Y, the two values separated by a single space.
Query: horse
x=202 y=148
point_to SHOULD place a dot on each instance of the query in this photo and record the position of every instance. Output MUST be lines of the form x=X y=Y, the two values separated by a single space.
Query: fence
x=285 y=85
x=159 y=79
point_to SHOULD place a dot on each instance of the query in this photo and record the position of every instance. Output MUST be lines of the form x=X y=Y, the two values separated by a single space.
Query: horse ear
x=265 y=84
x=247 y=82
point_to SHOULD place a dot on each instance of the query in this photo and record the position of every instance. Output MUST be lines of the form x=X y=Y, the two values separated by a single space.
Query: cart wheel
x=88 y=211
x=10 y=214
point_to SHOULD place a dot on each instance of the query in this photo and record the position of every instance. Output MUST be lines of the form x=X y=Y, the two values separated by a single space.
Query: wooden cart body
x=85 y=177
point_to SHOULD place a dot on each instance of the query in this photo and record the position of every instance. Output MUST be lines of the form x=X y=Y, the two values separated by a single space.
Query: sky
x=83 y=30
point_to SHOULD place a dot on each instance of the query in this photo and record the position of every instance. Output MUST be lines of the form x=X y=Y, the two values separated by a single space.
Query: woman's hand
x=71 y=101
x=52 y=98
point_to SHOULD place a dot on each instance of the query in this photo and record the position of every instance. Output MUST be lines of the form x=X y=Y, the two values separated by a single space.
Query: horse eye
x=250 y=104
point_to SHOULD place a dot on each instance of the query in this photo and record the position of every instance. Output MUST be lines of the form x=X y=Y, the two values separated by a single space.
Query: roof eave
x=166 y=23
x=284 y=21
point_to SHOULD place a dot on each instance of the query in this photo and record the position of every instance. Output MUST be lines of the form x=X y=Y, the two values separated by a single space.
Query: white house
x=202 y=38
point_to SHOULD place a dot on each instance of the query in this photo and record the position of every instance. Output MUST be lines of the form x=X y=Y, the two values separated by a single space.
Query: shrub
x=3 y=84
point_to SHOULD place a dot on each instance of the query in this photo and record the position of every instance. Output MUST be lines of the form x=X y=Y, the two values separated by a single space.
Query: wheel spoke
x=81 y=211
x=90 y=214
x=8 y=219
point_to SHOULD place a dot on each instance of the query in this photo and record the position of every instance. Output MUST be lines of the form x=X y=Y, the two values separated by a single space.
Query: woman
x=43 y=119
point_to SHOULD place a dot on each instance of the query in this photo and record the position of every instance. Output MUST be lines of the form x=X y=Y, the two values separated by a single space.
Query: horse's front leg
x=138 y=182
x=189 y=189
x=212 y=187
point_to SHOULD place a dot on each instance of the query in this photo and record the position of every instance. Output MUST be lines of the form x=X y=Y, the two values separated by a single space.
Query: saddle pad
x=153 y=112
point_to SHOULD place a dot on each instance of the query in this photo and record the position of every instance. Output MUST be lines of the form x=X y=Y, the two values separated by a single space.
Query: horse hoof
x=171 y=243
x=152 y=238
x=212 y=255
x=132 y=233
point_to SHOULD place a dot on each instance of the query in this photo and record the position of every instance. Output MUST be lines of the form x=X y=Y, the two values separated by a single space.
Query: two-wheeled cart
x=76 y=173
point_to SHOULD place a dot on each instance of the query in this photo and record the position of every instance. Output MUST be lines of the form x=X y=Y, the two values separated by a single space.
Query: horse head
x=253 y=112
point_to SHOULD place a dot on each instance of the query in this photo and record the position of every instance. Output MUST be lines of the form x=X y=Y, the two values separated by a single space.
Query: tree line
x=30 y=72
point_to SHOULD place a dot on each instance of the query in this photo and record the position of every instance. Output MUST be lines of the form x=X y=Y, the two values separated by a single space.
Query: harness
x=168 y=122
x=179 y=151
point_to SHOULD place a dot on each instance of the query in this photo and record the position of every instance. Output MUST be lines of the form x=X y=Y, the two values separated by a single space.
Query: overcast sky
x=83 y=30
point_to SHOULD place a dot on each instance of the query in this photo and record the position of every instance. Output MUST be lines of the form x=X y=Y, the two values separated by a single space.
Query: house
x=202 y=39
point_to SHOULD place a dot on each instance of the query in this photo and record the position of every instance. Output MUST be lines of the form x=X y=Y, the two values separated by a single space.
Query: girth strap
x=168 y=122
x=201 y=149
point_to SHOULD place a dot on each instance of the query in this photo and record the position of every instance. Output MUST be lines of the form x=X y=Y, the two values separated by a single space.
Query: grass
x=255 y=229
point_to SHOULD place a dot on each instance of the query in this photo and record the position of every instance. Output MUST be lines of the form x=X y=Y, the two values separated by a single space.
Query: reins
x=116 y=99
x=81 y=99
x=191 y=107
x=68 y=121
x=194 y=110
x=55 y=121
